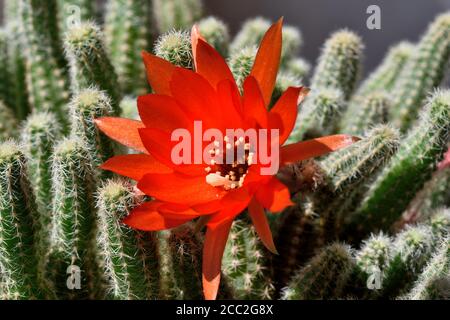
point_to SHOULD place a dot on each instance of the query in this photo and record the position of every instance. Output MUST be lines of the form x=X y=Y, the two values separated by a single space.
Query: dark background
x=400 y=19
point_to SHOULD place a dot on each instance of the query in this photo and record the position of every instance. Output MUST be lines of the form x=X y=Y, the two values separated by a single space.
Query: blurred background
x=400 y=19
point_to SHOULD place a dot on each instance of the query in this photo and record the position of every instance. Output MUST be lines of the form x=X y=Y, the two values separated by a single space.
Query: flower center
x=236 y=158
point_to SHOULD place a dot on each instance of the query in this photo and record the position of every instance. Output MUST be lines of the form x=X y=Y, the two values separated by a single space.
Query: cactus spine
x=89 y=63
x=324 y=277
x=127 y=256
x=423 y=73
x=73 y=220
x=87 y=105
x=127 y=34
x=411 y=167
x=247 y=269
x=175 y=47
x=17 y=225
x=298 y=68
x=241 y=63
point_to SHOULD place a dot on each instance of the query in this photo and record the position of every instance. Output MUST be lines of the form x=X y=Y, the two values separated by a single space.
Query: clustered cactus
x=371 y=221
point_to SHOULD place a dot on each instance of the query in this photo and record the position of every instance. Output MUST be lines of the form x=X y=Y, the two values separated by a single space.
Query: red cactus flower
x=214 y=192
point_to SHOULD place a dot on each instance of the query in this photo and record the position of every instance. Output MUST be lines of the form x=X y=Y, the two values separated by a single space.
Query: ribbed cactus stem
x=385 y=76
x=127 y=34
x=179 y=253
x=372 y=110
x=215 y=33
x=298 y=67
x=440 y=222
x=424 y=72
x=412 y=249
x=18 y=216
x=73 y=218
x=8 y=124
x=128 y=256
x=324 y=277
x=73 y=12
x=89 y=63
x=409 y=169
x=86 y=106
x=46 y=81
x=348 y=172
x=339 y=64
x=39 y=135
x=175 y=47
x=176 y=14
x=247 y=267
x=433 y=282
x=241 y=63
x=319 y=114
x=6 y=84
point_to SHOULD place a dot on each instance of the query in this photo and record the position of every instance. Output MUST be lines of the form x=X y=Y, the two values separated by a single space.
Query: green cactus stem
x=241 y=63
x=424 y=72
x=412 y=249
x=86 y=106
x=373 y=110
x=434 y=283
x=348 y=173
x=324 y=277
x=128 y=256
x=339 y=64
x=39 y=135
x=176 y=14
x=45 y=77
x=215 y=33
x=247 y=267
x=175 y=47
x=128 y=32
x=407 y=172
x=89 y=63
x=6 y=84
x=8 y=124
x=179 y=253
x=73 y=220
x=128 y=105
x=319 y=114
x=284 y=81
x=18 y=220
x=298 y=67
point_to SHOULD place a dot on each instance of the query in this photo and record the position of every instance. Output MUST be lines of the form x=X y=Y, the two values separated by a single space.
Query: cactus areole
x=215 y=191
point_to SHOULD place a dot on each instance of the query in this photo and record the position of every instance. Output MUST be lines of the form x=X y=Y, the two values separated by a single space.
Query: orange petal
x=162 y=112
x=214 y=246
x=313 y=148
x=159 y=72
x=159 y=145
x=233 y=204
x=179 y=188
x=274 y=195
x=286 y=110
x=208 y=61
x=124 y=131
x=135 y=166
x=253 y=102
x=195 y=36
x=267 y=60
x=262 y=228
x=154 y=216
